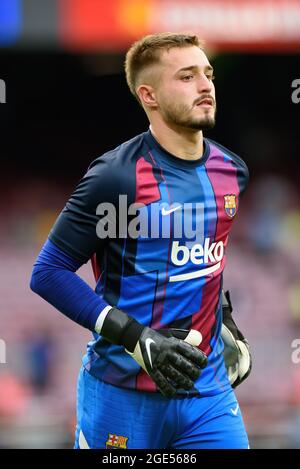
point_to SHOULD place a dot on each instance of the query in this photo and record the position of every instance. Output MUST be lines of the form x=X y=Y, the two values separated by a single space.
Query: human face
x=186 y=93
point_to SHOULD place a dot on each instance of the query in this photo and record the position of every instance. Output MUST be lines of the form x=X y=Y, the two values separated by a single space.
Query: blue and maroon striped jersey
x=162 y=264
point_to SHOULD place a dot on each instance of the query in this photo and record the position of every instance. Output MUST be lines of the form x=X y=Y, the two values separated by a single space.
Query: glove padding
x=172 y=362
x=236 y=348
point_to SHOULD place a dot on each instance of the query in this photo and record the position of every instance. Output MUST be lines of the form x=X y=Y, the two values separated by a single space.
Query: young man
x=154 y=216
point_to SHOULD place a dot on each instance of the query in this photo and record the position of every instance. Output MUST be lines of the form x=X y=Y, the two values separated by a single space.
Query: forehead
x=179 y=57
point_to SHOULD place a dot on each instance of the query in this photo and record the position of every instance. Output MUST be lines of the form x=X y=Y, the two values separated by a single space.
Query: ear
x=147 y=96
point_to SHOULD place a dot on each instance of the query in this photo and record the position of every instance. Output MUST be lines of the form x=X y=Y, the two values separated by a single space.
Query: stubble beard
x=178 y=115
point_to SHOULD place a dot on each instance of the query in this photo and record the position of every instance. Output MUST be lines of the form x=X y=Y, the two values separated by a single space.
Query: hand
x=169 y=356
x=237 y=355
x=172 y=362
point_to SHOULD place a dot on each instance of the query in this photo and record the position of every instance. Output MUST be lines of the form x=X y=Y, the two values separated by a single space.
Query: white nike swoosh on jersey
x=83 y=444
x=148 y=343
x=167 y=212
x=235 y=411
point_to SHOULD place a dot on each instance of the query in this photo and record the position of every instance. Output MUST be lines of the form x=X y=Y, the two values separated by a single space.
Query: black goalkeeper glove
x=172 y=363
x=236 y=348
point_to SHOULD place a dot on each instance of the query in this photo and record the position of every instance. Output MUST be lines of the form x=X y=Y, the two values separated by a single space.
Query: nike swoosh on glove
x=172 y=363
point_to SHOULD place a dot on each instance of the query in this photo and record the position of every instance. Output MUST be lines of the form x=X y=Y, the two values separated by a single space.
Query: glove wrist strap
x=120 y=329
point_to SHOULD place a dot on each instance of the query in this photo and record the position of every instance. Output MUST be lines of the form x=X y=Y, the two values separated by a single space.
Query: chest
x=188 y=204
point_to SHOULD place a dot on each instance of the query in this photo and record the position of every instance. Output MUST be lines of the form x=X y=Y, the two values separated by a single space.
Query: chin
x=203 y=124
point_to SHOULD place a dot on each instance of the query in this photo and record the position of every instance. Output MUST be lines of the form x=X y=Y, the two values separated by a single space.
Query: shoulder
x=118 y=158
x=242 y=172
x=229 y=154
x=113 y=172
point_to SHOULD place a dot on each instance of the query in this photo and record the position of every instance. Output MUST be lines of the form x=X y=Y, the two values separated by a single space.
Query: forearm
x=55 y=280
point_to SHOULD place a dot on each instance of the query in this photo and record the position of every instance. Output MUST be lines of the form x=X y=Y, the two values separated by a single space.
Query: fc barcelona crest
x=116 y=442
x=230 y=204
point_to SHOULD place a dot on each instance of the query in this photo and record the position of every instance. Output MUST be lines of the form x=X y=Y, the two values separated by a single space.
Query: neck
x=183 y=143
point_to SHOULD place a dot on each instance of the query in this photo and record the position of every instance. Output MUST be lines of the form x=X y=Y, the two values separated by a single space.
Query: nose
x=204 y=85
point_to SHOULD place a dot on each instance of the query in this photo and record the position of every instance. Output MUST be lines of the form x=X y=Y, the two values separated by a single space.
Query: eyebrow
x=194 y=67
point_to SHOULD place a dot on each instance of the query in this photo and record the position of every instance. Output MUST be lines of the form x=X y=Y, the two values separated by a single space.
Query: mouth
x=205 y=103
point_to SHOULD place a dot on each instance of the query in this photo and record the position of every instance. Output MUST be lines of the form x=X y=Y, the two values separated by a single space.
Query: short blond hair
x=147 y=52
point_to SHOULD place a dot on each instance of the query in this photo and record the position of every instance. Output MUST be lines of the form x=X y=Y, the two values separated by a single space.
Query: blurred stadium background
x=66 y=103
